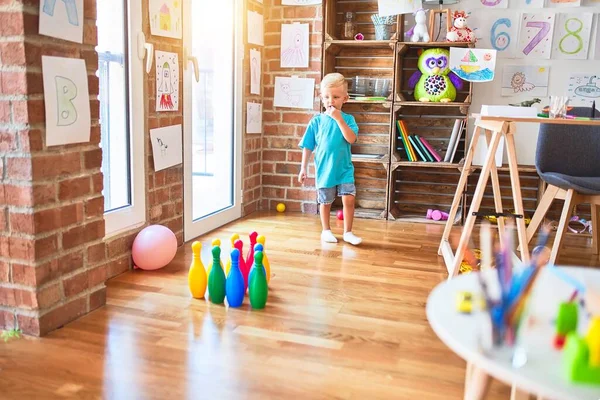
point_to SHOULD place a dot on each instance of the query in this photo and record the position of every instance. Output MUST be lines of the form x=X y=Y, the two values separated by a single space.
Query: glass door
x=213 y=57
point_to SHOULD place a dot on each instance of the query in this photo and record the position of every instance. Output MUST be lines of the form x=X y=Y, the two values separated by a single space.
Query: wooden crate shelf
x=334 y=18
x=435 y=125
x=414 y=190
x=406 y=64
x=373 y=122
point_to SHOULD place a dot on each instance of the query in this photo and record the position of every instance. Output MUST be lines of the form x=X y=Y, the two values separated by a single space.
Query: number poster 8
x=535 y=37
x=498 y=31
x=572 y=36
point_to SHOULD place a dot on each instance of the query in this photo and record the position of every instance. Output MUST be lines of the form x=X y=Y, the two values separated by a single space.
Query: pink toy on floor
x=437 y=215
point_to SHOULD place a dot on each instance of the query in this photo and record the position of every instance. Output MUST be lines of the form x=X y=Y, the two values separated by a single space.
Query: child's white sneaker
x=352 y=238
x=327 y=236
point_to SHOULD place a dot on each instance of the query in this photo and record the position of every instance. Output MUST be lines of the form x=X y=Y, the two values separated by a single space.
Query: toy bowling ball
x=340 y=215
x=154 y=247
x=281 y=207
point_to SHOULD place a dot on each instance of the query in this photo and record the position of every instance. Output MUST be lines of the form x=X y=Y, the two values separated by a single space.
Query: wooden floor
x=341 y=322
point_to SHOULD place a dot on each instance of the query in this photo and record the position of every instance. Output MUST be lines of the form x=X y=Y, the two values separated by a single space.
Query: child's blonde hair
x=334 y=79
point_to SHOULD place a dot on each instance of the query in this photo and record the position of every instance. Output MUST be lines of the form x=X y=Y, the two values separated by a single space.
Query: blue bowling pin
x=257 y=247
x=234 y=285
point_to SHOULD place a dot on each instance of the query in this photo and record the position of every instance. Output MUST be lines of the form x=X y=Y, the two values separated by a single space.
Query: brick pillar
x=51 y=204
x=283 y=127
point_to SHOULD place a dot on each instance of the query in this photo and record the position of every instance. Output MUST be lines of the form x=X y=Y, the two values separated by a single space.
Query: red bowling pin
x=250 y=257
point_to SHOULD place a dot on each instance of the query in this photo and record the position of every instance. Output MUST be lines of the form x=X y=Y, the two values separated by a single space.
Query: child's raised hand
x=333 y=112
x=302 y=176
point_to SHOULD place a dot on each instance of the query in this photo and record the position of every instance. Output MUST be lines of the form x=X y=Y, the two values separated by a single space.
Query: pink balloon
x=154 y=247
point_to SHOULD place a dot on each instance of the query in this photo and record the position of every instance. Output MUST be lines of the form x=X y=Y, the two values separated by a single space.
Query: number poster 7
x=535 y=37
x=498 y=31
x=572 y=36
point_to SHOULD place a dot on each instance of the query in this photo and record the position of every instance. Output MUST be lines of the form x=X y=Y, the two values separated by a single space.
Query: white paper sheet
x=294 y=92
x=167 y=149
x=535 y=35
x=255 y=71
x=395 y=7
x=530 y=80
x=492 y=3
x=167 y=81
x=300 y=2
x=62 y=19
x=253 y=117
x=496 y=30
x=572 y=36
x=583 y=89
x=597 y=50
x=165 y=18
x=256 y=30
x=66 y=100
x=294 y=46
x=563 y=3
x=473 y=65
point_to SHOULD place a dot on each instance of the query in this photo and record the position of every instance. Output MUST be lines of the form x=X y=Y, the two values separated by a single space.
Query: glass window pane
x=112 y=71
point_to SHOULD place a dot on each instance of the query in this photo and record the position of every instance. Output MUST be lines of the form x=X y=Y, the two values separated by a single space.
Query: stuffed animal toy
x=419 y=31
x=434 y=81
x=460 y=32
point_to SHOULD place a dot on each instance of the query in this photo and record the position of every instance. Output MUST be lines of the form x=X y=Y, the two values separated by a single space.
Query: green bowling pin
x=216 y=279
x=257 y=287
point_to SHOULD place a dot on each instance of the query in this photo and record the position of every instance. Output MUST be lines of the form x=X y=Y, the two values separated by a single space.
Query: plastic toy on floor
x=436 y=215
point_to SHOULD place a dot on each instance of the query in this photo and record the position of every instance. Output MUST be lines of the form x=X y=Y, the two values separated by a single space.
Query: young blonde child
x=330 y=135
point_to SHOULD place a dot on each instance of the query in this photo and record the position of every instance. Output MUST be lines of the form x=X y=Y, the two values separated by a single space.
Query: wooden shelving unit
x=388 y=185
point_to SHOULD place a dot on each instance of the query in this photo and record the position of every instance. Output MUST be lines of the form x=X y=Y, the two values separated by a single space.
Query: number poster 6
x=497 y=30
x=572 y=36
x=535 y=36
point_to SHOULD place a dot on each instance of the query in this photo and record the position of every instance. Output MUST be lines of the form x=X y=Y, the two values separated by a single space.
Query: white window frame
x=133 y=216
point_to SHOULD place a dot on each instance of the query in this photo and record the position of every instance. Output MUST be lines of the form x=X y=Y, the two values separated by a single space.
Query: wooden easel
x=432 y=18
x=493 y=130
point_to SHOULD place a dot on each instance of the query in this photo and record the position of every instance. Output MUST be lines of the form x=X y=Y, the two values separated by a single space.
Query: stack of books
x=418 y=148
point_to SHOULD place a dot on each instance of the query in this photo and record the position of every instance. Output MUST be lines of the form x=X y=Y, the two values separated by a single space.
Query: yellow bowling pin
x=215 y=242
x=233 y=238
x=261 y=239
x=197 y=275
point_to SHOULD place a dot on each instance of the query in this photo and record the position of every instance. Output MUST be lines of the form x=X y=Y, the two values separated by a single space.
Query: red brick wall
x=284 y=127
x=51 y=207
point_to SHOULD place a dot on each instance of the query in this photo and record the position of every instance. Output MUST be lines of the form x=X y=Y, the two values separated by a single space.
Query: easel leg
x=460 y=188
x=516 y=190
x=497 y=193
x=562 y=225
x=595 y=228
x=541 y=210
x=477 y=196
x=516 y=394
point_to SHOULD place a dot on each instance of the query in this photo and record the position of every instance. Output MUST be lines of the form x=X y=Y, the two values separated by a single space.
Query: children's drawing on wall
x=66 y=100
x=300 y=2
x=294 y=45
x=497 y=30
x=62 y=19
x=473 y=65
x=563 y=3
x=395 y=7
x=294 y=92
x=535 y=37
x=166 y=146
x=583 y=89
x=165 y=18
x=530 y=80
x=255 y=71
x=256 y=30
x=572 y=36
x=493 y=3
x=167 y=81
x=253 y=117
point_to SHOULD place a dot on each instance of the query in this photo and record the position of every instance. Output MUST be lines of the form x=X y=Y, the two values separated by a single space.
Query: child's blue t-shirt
x=333 y=158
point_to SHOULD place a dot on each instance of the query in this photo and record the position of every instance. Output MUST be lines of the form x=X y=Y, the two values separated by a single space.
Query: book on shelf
x=454 y=140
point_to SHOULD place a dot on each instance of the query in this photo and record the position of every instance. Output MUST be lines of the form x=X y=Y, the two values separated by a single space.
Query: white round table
x=542 y=374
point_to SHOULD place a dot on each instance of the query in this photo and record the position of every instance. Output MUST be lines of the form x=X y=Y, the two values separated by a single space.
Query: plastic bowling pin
x=234 y=285
x=259 y=290
x=258 y=247
x=250 y=256
x=233 y=238
x=197 y=273
x=215 y=242
x=216 y=279
x=240 y=246
x=261 y=239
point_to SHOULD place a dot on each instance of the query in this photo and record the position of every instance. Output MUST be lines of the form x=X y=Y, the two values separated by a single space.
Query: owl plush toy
x=434 y=81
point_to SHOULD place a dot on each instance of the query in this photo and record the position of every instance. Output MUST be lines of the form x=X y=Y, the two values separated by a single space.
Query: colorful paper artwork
x=535 y=37
x=167 y=81
x=531 y=80
x=572 y=36
x=473 y=65
x=165 y=18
